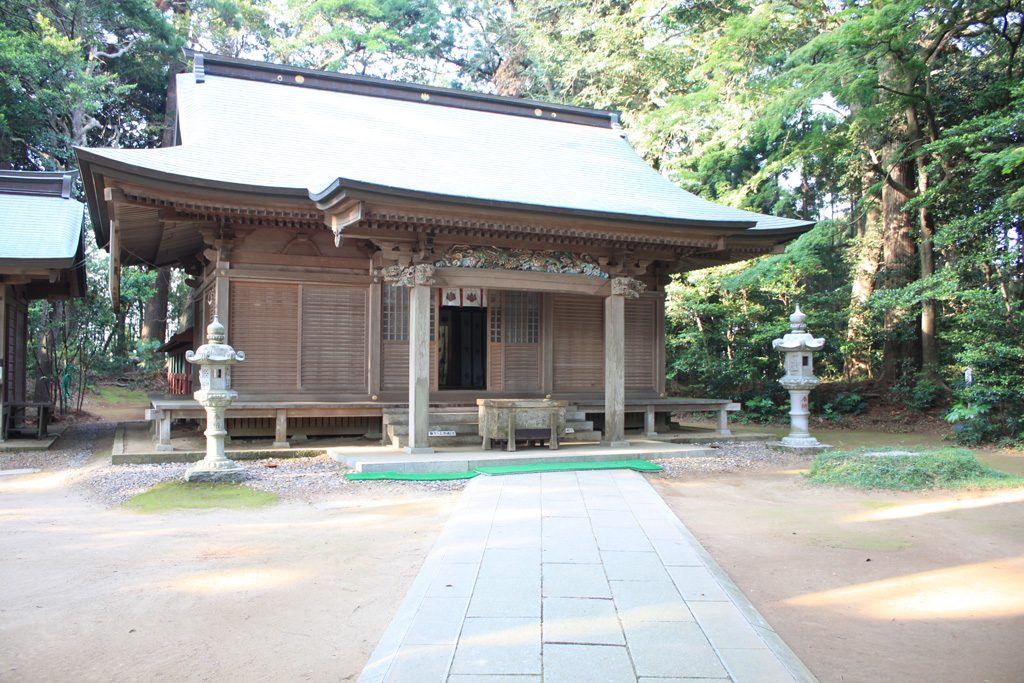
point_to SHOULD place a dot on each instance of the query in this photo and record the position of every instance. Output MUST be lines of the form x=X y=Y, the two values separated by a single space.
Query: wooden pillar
x=3 y=360
x=615 y=371
x=373 y=341
x=222 y=302
x=419 y=279
x=659 y=345
x=649 y=426
x=547 y=330
x=419 y=369
x=723 y=422
x=622 y=288
x=163 y=432
x=281 y=429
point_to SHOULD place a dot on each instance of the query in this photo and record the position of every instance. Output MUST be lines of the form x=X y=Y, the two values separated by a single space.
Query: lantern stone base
x=799 y=446
x=227 y=472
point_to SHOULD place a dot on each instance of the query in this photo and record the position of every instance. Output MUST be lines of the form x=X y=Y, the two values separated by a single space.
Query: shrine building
x=376 y=247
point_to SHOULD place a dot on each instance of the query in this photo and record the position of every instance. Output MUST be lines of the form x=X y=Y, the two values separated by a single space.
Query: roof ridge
x=207 y=64
x=38 y=183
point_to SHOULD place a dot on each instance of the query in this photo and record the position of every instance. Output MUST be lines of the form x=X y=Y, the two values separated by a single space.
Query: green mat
x=638 y=465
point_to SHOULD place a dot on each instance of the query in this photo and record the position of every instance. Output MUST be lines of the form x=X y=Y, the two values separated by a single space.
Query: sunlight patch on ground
x=986 y=590
x=938 y=507
x=231 y=580
x=33 y=482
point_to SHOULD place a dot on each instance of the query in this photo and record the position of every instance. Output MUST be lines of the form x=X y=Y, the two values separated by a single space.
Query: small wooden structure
x=374 y=245
x=179 y=371
x=42 y=256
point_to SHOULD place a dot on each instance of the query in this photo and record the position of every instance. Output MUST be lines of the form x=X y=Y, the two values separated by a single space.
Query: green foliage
x=721 y=321
x=145 y=355
x=916 y=391
x=70 y=74
x=761 y=409
x=844 y=403
x=943 y=468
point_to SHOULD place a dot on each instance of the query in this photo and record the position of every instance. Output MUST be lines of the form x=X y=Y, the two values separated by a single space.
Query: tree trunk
x=866 y=253
x=154 y=324
x=897 y=260
x=929 y=343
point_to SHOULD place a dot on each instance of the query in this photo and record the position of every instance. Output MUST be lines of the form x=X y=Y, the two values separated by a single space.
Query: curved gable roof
x=291 y=135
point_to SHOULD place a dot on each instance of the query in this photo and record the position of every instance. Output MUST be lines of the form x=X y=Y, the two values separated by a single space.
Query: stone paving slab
x=574 y=576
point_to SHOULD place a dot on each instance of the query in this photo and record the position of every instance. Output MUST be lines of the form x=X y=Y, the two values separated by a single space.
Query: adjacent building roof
x=258 y=127
x=41 y=229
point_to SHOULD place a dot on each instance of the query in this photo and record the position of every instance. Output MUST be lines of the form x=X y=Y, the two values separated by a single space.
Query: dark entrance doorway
x=462 y=348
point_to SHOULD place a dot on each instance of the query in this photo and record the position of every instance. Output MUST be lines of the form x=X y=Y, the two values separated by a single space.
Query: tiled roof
x=285 y=137
x=39 y=228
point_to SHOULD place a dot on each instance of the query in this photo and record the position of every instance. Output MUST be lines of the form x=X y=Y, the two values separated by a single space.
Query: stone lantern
x=799 y=347
x=215 y=359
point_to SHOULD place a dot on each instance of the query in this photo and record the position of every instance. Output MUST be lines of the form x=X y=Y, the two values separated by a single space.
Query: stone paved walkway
x=574 y=576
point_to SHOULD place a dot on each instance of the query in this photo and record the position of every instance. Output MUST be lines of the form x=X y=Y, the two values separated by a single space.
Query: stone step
x=460 y=428
x=582 y=435
x=435 y=418
x=361 y=459
x=402 y=440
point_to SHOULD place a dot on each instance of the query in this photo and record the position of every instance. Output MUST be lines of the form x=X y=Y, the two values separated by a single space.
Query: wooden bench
x=14 y=410
x=167 y=410
x=650 y=407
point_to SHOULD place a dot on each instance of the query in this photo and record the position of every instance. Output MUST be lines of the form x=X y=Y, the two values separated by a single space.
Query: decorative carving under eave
x=409 y=276
x=627 y=287
x=520 y=259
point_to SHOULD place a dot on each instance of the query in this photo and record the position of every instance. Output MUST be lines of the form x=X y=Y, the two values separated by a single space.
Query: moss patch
x=179 y=495
x=947 y=468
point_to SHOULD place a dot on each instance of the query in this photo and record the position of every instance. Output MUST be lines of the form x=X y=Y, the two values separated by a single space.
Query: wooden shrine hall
x=376 y=246
x=42 y=256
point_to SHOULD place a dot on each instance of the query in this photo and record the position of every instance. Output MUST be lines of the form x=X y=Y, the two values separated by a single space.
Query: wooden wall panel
x=495 y=347
x=394 y=371
x=495 y=366
x=640 y=340
x=522 y=367
x=578 y=343
x=334 y=338
x=264 y=324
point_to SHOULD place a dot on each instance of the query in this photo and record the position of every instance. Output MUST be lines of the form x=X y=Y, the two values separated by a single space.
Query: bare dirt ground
x=863 y=586
x=295 y=591
x=870 y=586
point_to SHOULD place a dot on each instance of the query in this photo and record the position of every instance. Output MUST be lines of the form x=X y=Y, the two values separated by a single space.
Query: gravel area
x=309 y=478
x=72 y=450
x=729 y=457
x=291 y=478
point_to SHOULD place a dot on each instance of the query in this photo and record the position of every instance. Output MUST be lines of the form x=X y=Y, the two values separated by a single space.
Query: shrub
x=944 y=468
x=923 y=394
x=760 y=409
x=845 y=403
x=916 y=391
